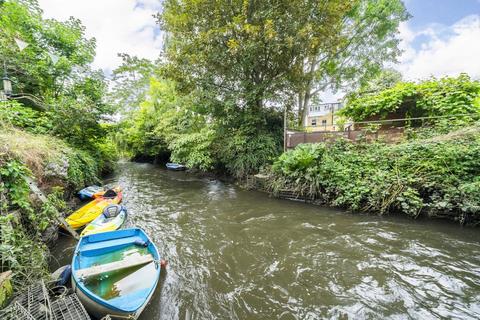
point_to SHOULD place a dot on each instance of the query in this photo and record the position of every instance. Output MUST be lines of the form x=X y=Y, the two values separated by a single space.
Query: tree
x=131 y=82
x=367 y=39
x=36 y=70
x=258 y=53
x=246 y=51
x=385 y=79
x=55 y=67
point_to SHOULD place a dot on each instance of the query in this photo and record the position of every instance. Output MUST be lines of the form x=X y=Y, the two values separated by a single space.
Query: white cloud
x=128 y=26
x=445 y=51
x=125 y=26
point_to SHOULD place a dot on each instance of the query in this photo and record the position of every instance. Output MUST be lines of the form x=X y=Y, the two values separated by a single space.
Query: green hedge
x=438 y=177
x=434 y=97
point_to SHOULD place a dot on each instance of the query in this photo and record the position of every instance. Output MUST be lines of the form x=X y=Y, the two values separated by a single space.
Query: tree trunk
x=306 y=101
x=305 y=95
x=300 y=114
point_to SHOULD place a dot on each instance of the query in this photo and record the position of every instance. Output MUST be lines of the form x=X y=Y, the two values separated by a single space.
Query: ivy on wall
x=433 y=97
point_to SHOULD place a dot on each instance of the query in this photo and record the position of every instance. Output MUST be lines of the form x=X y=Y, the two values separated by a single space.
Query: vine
x=434 y=97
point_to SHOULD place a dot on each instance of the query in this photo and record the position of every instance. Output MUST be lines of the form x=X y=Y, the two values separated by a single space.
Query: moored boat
x=89 y=192
x=112 y=218
x=175 y=166
x=94 y=208
x=115 y=272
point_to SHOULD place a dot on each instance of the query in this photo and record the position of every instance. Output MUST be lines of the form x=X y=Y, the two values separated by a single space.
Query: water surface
x=236 y=254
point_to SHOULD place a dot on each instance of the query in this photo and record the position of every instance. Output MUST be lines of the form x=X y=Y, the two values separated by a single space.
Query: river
x=237 y=254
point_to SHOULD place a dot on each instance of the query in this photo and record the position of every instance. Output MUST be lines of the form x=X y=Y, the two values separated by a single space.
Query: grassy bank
x=59 y=169
x=434 y=176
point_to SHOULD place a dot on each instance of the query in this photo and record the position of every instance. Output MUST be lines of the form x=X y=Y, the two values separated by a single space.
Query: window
x=324 y=123
x=314 y=122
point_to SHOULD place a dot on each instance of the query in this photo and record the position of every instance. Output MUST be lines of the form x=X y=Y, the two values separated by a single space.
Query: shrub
x=434 y=97
x=436 y=176
x=18 y=115
x=243 y=154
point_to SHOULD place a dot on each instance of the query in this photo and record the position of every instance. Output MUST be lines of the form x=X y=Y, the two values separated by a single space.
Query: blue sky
x=442 y=37
x=445 y=12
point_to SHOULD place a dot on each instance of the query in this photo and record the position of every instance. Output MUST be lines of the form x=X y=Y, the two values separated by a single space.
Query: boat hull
x=89 y=192
x=99 y=311
x=175 y=167
x=102 y=224
x=91 y=252
x=91 y=210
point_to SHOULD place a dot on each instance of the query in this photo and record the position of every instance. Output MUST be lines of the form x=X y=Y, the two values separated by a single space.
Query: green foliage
x=69 y=100
x=14 y=189
x=131 y=82
x=25 y=255
x=16 y=114
x=237 y=65
x=435 y=176
x=32 y=69
x=385 y=79
x=243 y=154
x=245 y=50
x=82 y=169
x=21 y=249
x=434 y=97
x=194 y=149
x=169 y=122
x=70 y=91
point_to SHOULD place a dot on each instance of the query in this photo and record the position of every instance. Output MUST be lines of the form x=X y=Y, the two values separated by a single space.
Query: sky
x=442 y=37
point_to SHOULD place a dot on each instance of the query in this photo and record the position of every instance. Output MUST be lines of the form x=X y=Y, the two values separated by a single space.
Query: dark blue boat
x=88 y=192
x=175 y=166
x=115 y=272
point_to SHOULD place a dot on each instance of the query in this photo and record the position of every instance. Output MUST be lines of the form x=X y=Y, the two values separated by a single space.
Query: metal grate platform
x=15 y=312
x=69 y=308
x=35 y=300
x=34 y=304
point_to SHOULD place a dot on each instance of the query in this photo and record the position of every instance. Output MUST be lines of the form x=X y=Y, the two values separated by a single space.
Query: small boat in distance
x=115 y=272
x=89 y=192
x=112 y=218
x=94 y=208
x=175 y=166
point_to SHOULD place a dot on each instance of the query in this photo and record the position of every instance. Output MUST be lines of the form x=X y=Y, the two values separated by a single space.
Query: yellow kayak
x=112 y=218
x=93 y=209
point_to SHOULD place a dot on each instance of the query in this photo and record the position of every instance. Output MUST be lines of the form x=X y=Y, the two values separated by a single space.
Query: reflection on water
x=122 y=282
x=237 y=254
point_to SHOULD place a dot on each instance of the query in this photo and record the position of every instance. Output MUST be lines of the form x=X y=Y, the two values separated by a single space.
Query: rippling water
x=236 y=254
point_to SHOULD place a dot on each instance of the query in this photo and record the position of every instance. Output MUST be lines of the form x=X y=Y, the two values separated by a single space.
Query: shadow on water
x=236 y=254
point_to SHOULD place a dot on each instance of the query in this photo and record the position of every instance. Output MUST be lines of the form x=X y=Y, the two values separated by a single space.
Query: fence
x=392 y=135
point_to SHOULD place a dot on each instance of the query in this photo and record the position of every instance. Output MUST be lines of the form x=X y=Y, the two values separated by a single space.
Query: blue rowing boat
x=115 y=272
x=175 y=166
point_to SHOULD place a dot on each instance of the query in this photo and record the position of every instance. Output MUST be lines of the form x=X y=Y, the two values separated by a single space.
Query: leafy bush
x=82 y=169
x=21 y=249
x=194 y=149
x=243 y=154
x=169 y=122
x=18 y=115
x=435 y=176
x=434 y=97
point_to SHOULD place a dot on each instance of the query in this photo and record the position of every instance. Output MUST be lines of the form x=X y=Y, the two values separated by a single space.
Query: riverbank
x=28 y=226
x=435 y=176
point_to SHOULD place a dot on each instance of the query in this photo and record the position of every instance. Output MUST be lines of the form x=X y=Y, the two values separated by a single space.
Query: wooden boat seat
x=114 y=243
x=114 y=266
